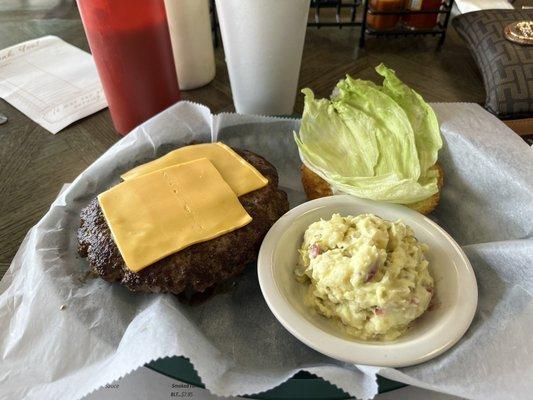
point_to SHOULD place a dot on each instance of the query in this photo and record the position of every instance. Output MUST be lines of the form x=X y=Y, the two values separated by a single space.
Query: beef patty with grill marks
x=197 y=267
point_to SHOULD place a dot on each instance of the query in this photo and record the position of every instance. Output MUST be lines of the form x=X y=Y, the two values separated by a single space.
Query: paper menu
x=145 y=383
x=51 y=81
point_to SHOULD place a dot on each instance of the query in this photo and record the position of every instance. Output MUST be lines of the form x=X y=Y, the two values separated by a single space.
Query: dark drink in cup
x=130 y=43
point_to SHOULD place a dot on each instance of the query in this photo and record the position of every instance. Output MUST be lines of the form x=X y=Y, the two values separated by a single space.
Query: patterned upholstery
x=507 y=67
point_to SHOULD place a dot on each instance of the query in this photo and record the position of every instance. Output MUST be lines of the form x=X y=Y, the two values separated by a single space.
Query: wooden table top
x=34 y=164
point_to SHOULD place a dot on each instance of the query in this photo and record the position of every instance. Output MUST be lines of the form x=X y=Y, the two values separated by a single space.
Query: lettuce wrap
x=371 y=141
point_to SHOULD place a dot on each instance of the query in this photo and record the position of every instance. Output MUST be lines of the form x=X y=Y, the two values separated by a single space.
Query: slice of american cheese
x=162 y=212
x=237 y=172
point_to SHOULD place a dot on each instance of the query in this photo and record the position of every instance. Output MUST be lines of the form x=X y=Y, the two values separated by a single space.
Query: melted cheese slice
x=160 y=213
x=237 y=172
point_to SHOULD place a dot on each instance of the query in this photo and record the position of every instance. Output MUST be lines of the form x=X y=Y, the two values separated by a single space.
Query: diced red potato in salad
x=373 y=270
x=314 y=251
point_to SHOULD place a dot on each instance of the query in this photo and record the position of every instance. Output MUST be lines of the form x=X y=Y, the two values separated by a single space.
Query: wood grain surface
x=34 y=164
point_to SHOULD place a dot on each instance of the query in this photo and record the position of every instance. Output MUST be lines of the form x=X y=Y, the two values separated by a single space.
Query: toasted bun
x=316 y=187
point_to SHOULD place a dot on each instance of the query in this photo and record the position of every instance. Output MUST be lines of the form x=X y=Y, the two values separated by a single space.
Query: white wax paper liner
x=233 y=341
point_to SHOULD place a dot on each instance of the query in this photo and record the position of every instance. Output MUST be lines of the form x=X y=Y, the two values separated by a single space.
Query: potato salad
x=367 y=273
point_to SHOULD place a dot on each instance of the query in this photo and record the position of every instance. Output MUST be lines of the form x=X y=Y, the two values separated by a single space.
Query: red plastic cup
x=130 y=43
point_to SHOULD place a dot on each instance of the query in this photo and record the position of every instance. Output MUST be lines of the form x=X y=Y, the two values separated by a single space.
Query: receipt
x=51 y=81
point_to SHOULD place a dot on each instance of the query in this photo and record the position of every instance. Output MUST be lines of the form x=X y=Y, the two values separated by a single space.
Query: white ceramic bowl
x=431 y=334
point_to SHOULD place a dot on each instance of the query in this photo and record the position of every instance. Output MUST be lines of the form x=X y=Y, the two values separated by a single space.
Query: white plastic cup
x=263 y=43
x=192 y=44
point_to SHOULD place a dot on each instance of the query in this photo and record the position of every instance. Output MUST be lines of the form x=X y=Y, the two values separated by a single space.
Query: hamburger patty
x=197 y=267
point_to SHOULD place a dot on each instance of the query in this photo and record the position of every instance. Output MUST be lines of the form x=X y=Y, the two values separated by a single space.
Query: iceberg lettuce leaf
x=421 y=117
x=372 y=141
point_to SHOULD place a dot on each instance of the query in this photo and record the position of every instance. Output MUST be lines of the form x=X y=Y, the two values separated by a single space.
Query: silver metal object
x=3 y=119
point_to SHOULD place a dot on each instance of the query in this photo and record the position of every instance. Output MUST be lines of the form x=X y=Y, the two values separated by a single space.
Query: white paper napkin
x=233 y=340
x=466 y=6
x=51 y=81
